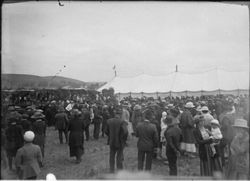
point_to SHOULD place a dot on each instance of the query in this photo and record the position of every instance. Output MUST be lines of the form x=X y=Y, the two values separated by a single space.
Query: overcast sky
x=89 y=38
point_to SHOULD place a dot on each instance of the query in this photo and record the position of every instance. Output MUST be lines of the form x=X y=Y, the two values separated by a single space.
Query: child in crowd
x=215 y=133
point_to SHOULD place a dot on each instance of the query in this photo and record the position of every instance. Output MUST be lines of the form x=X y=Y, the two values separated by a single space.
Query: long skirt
x=210 y=165
x=76 y=151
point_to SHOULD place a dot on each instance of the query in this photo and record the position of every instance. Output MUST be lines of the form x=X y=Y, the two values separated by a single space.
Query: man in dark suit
x=87 y=120
x=39 y=128
x=148 y=140
x=61 y=124
x=14 y=139
x=173 y=136
x=117 y=133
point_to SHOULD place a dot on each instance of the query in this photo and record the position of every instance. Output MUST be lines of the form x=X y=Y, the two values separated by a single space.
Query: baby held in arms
x=215 y=134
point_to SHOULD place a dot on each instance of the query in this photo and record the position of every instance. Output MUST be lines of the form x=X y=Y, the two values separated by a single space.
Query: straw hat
x=61 y=109
x=29 y=136
x=189 y=105
x=170 y=106
x=204 y=108
x=11 y=108
x=215 y=121
x=137 y=107
x=242 y=123
x=37 y=115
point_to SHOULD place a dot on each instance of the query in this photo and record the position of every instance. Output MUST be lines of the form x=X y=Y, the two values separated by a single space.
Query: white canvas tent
x=211 y=82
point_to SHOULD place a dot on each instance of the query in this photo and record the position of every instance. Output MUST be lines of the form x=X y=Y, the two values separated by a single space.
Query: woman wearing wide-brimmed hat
x=209 y=163
x=187 y=126
x=28 y=158
x=76 y=137
x=39 y=128
x=238 y=165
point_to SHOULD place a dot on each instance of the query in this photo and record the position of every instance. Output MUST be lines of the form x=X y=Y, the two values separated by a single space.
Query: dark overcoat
x=187 y=126
x=14 y=139
x=117 y=133
x=148 y=136
x=61 y=121
x=76 y=129
x=39 y=128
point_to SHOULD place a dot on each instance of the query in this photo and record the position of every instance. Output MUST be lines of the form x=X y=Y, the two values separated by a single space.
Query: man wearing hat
x=187 y=126
x=29 y=158
x=12 y=113
x=39 y=129
x=76 y=136
x=238 y=165
x=136 y=117
x=148 y=140
x=14 y=140
x=61 y=124
x=117 y=133
x=173 y=136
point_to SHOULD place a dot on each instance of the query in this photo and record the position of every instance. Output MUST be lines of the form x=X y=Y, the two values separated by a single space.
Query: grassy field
x=95 y=161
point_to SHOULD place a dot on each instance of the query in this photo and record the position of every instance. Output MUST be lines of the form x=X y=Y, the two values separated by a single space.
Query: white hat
x=50 y=177
x=170 y=106
x=29 y=136
x=204 y=108
x=164 y=114
x=189 y=105
x=240 y=123
x=215 y=121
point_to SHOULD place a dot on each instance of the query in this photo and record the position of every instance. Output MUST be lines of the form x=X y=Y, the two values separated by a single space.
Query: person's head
x=189 y=105
x=118 y=110
x=199 y=121
x=75 y=113
x=28 y=136
x=169 y=120
x=240 y=127
x=215 y=124
x=147 y=114
x=174 y=112
x=163 y=114
x=204 y=109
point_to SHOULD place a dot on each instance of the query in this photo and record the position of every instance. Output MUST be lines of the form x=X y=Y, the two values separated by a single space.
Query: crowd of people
x=213 y=128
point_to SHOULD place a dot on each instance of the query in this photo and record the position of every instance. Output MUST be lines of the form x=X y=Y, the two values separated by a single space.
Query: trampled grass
x=95 y=161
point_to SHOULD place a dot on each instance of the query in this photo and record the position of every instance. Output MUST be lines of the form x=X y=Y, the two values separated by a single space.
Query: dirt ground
x=95 y=161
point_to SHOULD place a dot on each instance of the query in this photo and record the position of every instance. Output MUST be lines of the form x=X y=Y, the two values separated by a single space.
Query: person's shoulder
x=196 y=131
x=20 y=150
x=140 y=124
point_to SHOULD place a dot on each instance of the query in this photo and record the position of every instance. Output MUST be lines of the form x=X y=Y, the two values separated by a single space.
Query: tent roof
x=179 y=81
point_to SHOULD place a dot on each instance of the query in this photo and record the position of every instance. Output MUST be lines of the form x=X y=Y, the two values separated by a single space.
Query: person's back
x=76 y=125
x=175 y=133
x=148 y=136
x=39 y=127
x=113 y=132
x=30 y=156
x=61 y=120
x=185 y=119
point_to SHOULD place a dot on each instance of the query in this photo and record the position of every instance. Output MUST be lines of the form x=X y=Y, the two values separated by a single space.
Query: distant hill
x=24 y=81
